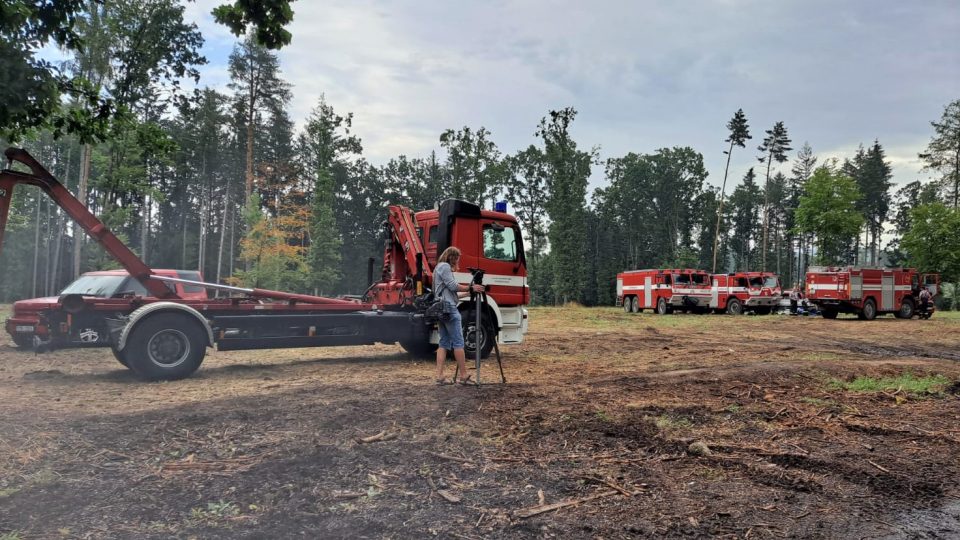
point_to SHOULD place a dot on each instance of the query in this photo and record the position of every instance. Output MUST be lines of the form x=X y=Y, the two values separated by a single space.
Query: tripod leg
x=496 y=347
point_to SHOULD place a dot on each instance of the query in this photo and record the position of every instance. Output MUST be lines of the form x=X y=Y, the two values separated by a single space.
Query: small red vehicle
x=26 y=322
x=664 y=290
x=738 y=292
x=869 y=292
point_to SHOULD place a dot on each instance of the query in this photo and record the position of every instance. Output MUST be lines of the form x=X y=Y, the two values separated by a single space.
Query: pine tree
x=774 y=148
x=943 y=152
x=739 y=134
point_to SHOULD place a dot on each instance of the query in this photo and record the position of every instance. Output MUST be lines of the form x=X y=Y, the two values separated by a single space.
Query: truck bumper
x=761 y=301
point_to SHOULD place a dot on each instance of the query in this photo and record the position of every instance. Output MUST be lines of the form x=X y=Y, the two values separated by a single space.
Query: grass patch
x=668 y=422
x=12 y=535
x=5 y=311
x=907 y=382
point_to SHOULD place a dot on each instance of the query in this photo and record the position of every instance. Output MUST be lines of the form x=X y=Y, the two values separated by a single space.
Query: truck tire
x=419 y=349
x=869 y=311
x=166 y=347
x=907 y=309
x=829 y=314
x=734 y=307
x=635 y=305
x=119 y=356
x=627 y=304
x=23 y=343
x=662 y=306
x=468 y=319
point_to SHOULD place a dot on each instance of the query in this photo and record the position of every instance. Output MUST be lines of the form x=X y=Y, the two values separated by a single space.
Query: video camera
x=477 y=274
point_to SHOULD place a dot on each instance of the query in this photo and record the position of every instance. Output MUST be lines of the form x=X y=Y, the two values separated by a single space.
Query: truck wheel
x=869 y=311
x=635 y=305
x=734 y=307
x=165 y=347
x=907 y=309
x=419 y=349
x=829 y=314
x=119 y=356
x=468 y=320
x=627 y=304
x=662 y=306
x=23 y=343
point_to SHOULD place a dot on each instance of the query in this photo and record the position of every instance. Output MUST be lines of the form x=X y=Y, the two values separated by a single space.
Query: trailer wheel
x=869 y=311
x=468 y=319
x=166 y=346
x=734 y=307
x=419 y=349
x=829 y=314
x=119 y=356
x=907 y=309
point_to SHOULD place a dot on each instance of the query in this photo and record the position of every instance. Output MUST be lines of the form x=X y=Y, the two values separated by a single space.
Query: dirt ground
x=675 y=426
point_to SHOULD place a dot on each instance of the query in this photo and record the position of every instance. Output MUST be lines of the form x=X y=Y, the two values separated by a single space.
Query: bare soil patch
x=677 y=426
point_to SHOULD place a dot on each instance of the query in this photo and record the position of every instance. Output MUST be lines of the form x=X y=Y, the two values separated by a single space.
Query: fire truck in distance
x=163 y=335
x=738 y=292
x=868 y=292
x=667 y=290
x=664 y=290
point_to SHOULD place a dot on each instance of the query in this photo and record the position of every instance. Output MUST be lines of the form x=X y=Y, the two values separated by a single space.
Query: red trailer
x=868 y=291
x=664 y=290
x=735 y=293
x=162 y=335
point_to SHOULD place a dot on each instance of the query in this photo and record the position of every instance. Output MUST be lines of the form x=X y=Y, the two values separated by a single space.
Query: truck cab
x=100 y=286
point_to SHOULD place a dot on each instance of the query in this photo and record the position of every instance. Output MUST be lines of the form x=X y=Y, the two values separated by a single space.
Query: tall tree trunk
x=723 y=189
x=223 y=232
x=36 y=247
x=82 y=197
x=766 y=219
x=145 y=230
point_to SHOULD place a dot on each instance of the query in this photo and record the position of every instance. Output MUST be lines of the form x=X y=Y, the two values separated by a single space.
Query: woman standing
x=445 y=287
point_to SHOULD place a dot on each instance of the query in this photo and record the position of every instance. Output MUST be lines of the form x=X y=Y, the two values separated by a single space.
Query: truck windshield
x=101 y=286
x=771 y=282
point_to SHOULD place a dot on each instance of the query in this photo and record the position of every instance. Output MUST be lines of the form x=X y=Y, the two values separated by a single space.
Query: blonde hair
x=448 y=254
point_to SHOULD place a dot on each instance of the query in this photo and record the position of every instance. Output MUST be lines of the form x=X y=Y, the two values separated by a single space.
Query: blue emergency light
x=500 y=206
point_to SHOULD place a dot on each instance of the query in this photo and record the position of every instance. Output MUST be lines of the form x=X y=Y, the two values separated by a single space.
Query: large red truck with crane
x=162 y=335
x=868 y=292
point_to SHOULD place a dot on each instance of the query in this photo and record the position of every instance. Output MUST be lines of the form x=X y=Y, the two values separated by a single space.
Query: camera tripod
x=479 y=299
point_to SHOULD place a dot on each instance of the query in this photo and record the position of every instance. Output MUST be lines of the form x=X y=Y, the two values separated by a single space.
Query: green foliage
x=739 y=134
x=745 y=206
x=943 y=153
x=774 y=148
x=266 y=18
x=827 y=210
x=474 y=171
x=932 y=240
x=526 y=190
x=568 y=171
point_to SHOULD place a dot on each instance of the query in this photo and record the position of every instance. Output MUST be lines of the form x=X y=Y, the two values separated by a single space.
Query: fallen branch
x=382 y=436
x=449 y=457
x=608 y=483
x=450 y=497
x=879 y=467
x=525 y=513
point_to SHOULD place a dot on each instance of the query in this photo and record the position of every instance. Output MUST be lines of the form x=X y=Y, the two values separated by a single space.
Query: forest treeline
x=225 y=182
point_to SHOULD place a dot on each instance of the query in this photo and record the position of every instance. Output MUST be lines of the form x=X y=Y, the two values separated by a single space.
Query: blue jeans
x=451 y=330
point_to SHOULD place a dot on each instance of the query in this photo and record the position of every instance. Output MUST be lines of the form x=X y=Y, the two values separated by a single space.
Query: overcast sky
x=643 y=75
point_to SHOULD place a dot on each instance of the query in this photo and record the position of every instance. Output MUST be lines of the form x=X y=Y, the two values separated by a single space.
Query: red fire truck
x=664 y=290
x=163 y=335
x=868 y=291
x=745 y=291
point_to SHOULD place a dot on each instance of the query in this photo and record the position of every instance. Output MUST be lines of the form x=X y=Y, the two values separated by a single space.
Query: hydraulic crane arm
x=41 y=178
x=403 y=225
